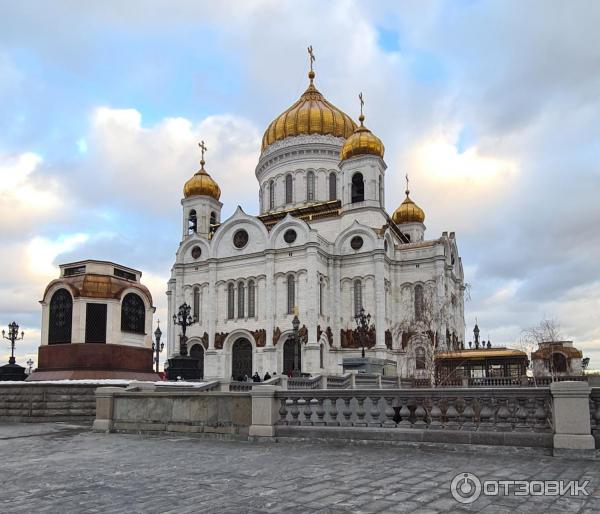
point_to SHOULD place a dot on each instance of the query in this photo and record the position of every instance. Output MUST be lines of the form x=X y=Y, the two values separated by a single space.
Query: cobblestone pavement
x=61 y=468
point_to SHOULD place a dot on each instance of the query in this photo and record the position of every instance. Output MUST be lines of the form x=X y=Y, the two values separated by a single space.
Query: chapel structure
x=323 y=246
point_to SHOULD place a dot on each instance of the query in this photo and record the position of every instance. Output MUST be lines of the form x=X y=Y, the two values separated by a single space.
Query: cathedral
x=322 y=251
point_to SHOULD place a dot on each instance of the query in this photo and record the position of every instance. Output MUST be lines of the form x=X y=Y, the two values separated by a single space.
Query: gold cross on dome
x=407 y=183
x=311 y=57
x=362 y=103
x=202 y=148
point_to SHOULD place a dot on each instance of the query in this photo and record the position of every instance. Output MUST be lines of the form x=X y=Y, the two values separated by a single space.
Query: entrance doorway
x=241 y=358
x=197 y=352
x=292 y=357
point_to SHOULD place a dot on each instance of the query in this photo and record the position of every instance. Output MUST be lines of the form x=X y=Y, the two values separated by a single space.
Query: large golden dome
x=362 y=142
x=202 y=184
x=408 y=212
x=311 y=114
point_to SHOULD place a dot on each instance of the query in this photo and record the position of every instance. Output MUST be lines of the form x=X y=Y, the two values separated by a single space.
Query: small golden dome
x=362 y=142
x=310 y=114
x=408 y=212
x=202 y=184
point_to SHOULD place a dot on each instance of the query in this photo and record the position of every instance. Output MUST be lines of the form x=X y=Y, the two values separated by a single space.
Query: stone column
x=212 y=304
x=104 y=408
x=571 y=417
x=380 y=301
x=335 y=300
x=269 y=296
x=265 y=412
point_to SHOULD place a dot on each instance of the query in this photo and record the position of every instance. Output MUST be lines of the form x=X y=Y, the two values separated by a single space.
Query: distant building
x=558 y=358
x=96 y=324
x=479 y=361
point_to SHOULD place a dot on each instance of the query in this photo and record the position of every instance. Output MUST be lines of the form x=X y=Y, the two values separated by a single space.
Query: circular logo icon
x=465 y=488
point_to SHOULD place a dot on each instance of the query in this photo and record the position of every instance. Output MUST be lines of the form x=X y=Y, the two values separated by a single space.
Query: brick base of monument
x=184 y=367
x=93 y=361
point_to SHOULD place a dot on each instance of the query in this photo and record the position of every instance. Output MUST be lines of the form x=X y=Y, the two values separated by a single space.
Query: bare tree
x=546 y=331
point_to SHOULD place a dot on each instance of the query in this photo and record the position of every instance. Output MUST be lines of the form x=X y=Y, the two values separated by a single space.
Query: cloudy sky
x=492 y=107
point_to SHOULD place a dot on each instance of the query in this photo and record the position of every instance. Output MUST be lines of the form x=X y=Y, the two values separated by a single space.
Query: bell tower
x=201 y=205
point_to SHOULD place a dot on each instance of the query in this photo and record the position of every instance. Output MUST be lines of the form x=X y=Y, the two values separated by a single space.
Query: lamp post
x=296 y=341
x=29 y=365
x=158 y=346
x=13 y=336
x=184 y=320
x=363 y=325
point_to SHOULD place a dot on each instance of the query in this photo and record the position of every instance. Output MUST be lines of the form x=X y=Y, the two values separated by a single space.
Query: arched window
x=358 y=188
x=291 y=294
x=559 y=363
x=230 y=302
x=332 y=186
x=196 y=303
x=271 y=194
x=321 y=292
x=380 y=191
x=61 y=315
x=310 y=186
x=289 y=189
x=192 y=222
x=419 y=306
x=419 y=357
x=241 y=300
x=133 y=314
x=213 y=218
x=358 y=301
x=321 y=357
x=251 y=299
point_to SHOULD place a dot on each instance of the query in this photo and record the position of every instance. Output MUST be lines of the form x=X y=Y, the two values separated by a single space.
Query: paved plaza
x=60 y=468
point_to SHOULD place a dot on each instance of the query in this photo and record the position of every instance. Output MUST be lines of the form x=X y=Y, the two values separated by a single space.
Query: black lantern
x=13 y=336
x=158 y=346
x=363 y=323
x=184 y=320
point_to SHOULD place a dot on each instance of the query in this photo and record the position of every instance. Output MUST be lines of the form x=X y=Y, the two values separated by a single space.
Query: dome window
x=356 y=242
x=196 y=252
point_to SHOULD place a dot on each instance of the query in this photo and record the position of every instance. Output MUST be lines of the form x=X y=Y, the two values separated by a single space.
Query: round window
x=196 y=252
x=240 y=239
x=289 y=236
x=356 y=242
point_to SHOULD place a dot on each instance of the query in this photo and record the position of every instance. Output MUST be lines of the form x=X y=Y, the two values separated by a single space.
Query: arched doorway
x=197 y=352
x=292 y=357
x=241 y=358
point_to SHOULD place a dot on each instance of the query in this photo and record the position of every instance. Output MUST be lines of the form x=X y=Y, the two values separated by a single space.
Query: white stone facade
x=326 y=270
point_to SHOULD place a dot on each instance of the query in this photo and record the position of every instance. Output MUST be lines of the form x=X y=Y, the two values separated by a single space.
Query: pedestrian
x=267 y=377
x=256 y=377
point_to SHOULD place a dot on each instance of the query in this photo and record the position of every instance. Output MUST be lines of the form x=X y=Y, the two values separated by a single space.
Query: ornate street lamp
x=295 y=337
x=363 y=326
x=29 y=365
x=184 y=320
x=158 y=346
x=13 y=336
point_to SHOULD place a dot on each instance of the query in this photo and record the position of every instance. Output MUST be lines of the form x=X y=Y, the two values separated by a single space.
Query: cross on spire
x=407 y=191
x=311 y=57
x=361 y=118
x=202 y=149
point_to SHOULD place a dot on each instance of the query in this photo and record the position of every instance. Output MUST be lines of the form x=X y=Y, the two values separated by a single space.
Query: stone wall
x=33 y=402
x=154 y=409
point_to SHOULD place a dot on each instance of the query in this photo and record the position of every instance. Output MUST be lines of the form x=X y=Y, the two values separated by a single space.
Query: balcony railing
x=501 y=410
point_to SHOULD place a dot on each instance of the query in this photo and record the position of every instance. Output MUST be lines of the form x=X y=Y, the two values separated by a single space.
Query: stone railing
x=476 y=415
x=367 y=381
x=304 y=382
x=389 y=382
x=339 y=381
